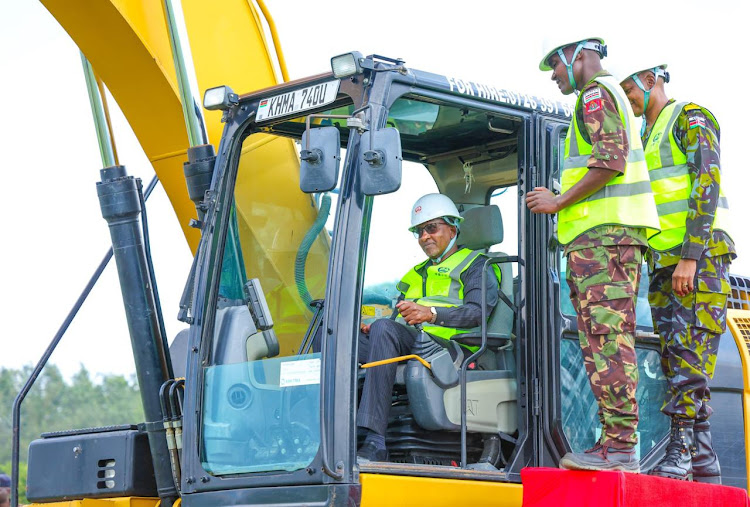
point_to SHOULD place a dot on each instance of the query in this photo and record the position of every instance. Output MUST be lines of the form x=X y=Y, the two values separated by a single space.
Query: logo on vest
x=443 y=270
x=656 y=138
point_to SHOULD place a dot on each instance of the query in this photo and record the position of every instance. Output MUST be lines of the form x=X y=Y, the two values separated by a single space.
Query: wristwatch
x=434 y=314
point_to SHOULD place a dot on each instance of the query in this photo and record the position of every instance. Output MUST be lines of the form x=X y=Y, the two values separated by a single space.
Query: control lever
x=442 y=365
x=256 y=303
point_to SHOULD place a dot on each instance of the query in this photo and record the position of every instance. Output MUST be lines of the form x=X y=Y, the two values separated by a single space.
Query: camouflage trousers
x=603 y=288
x=689 y=330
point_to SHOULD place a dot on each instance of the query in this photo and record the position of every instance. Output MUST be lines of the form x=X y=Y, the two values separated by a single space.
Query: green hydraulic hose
x=304 y=249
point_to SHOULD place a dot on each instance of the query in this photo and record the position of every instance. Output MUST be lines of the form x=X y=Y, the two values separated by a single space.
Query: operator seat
x=434 y=396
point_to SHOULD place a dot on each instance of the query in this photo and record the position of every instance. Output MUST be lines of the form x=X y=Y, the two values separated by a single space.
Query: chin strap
x=454 y=223
x=658 y=72
x=584 y=44
x=439 y=258
x=569 y=66
x=646 y=95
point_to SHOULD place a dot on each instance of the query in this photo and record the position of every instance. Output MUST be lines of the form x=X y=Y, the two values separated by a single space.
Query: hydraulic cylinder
x=121 y=208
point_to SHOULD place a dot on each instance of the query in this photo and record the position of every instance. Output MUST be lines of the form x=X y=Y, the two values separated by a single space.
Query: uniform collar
x=601 y=73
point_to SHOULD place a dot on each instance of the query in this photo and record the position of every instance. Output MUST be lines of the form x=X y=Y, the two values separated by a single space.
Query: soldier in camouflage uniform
x=604 y=244
x=689 y=263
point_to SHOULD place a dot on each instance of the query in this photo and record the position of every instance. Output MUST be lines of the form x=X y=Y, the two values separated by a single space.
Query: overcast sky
x=54 y=235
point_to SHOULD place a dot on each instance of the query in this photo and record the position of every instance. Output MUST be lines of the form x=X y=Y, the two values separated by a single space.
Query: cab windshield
x=262 y=388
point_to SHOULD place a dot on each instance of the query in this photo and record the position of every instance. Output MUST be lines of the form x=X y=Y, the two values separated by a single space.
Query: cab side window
x=392 y=249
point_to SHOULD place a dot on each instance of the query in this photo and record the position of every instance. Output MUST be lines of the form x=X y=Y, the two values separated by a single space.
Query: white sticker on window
x=300 y=373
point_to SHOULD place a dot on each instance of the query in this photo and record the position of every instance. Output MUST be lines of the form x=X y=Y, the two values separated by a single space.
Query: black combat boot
x=705 y=461
x=677 y=462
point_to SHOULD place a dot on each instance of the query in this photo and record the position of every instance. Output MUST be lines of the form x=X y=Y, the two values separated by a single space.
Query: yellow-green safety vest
x=627 y=199
x=443 y=284
x=670 y=180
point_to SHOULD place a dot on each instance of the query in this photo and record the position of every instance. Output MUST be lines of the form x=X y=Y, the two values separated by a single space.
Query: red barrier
x=552 y=487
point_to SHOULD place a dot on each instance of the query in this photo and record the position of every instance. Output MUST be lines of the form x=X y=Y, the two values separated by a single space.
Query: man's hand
x=365 y=328
x=683 y=276
x=542 y=200
x=414 y=313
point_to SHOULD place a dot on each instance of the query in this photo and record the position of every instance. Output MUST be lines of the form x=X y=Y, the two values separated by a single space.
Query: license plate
x=298 y=100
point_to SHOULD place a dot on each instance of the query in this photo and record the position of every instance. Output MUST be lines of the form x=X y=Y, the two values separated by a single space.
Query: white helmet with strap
x=431 y=206
x=592 y=43
x=660 y=71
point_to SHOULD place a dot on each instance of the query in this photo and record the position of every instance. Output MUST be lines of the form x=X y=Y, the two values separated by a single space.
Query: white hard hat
x=551 y=46
x=659 y=70
x=431 y=206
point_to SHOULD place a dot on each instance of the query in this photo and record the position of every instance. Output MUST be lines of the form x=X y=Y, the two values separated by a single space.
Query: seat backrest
x=482 y=228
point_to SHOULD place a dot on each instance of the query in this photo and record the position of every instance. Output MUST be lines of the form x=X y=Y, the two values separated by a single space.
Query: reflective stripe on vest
x=670 y=181
x=626 y=199
x=443 y=284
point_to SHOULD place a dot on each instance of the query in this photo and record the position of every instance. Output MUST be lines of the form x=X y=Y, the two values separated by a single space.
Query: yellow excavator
x=296 y=229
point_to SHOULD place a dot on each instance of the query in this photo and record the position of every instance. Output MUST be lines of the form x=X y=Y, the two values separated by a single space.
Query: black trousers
x=387 y=339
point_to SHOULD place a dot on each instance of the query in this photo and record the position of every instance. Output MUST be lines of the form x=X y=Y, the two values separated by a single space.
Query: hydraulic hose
x=304 y=249
x=152 y=278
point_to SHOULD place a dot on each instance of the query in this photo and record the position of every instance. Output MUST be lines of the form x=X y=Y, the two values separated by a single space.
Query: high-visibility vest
x=627 y=199
x=441 y=286
x=670 y=180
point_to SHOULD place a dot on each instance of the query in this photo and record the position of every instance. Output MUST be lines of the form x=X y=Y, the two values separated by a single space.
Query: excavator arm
x=127 y=43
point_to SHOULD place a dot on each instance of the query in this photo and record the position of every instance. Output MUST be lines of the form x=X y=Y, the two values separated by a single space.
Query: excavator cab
x=328 y=258
x=373 y=137
x=268 y=417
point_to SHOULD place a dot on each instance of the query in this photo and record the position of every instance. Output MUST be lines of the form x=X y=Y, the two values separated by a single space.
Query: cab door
x=570 y=420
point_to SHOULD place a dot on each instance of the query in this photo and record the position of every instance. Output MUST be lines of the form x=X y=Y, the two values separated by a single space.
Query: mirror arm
x=311 y=156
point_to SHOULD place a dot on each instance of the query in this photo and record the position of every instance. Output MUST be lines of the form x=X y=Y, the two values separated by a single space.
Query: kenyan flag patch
x=696 y=121
x=592 y=94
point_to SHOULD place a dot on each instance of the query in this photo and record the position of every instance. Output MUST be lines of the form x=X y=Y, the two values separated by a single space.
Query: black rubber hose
x=304 y=249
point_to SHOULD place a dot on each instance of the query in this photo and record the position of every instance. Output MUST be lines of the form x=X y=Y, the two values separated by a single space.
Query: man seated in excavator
x=441 y=296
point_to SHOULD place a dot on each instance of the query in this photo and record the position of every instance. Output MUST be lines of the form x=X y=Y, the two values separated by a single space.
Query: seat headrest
x=482 y=227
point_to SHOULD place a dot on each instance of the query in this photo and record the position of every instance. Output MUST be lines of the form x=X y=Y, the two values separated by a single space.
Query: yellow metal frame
x=379 y=490
x=108 y=502
x=739 y=323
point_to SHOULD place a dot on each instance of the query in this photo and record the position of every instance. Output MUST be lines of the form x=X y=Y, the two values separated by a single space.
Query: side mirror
x=319 y=159
x=380 y=166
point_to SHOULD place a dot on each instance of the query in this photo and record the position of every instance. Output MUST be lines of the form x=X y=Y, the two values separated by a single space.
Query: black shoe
x=369 y=452
x=602 y=457
x=677 y=462
x=705 y=461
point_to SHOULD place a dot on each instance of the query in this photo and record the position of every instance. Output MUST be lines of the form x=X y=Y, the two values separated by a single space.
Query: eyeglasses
x=430 y=228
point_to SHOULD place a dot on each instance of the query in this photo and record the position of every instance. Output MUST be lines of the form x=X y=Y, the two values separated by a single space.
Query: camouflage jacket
x=701 y=146
x=603 y=128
